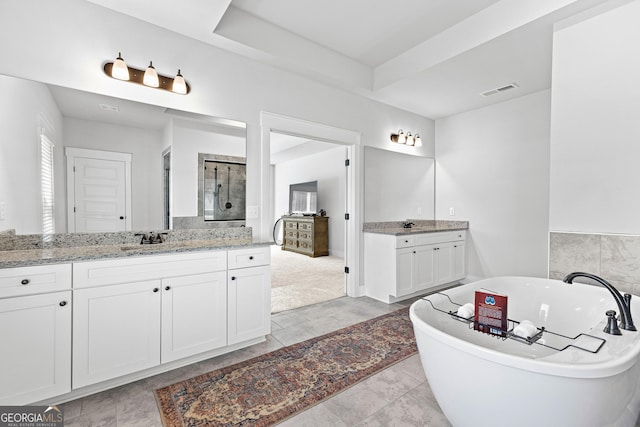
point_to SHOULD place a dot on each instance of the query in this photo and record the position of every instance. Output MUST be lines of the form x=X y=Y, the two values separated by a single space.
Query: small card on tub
x=490 y=313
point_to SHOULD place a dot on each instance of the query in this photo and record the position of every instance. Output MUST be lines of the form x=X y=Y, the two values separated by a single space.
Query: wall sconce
x=406 y=138
x=118 y=69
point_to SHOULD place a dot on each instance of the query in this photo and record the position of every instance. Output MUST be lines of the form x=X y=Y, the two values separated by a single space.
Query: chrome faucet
x=407 y=224
x=624 y=303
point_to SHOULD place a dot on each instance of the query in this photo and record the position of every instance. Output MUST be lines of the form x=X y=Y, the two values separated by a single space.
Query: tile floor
x=397 y=396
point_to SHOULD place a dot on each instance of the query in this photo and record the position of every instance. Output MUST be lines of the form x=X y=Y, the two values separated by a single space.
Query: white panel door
x=35 y=361
x=249 y=303
x=423 y=267
x=445 y=259
x=116 y=331
x=404 y=272
x=99 y=194
x=194 y=315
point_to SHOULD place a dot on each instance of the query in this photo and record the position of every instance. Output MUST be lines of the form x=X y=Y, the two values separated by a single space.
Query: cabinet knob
x=251 y=257
x=233 y=277
x=121 y=217
x=166 y=288
x=414 y=252
x=63 y=303
x=155 y=289
x=406 y=241
x=25 y=281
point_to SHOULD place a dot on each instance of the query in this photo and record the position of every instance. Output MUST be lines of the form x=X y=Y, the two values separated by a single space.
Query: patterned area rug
x=270 y=388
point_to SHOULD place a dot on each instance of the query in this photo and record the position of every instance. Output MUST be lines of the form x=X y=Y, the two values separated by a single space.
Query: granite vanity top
x=34 y=250
x=395 y=228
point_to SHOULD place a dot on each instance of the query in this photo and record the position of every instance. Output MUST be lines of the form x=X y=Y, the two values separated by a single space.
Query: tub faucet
x=624 y=304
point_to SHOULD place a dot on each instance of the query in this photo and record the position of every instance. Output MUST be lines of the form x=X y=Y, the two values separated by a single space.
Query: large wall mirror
x=42 y=127
x=398 y=186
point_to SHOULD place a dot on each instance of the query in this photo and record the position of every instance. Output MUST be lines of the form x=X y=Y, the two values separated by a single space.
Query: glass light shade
x=410 y=140
x=418 y=141
x=151 y=76
x=119 y=70
x=402 y=138
x=179 y=85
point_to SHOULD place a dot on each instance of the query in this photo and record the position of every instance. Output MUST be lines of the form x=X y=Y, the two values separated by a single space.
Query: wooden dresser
x=307 y=235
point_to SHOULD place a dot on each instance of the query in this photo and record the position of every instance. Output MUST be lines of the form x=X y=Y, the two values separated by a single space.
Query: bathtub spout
x=624 y=303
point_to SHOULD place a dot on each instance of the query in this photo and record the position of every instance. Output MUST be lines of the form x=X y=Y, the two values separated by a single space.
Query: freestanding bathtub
x=483 y=380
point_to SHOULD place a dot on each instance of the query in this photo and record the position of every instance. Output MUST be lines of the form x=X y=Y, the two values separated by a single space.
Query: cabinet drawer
x=127 y=270
x=291 y=234
x=306 y=235
x=253 y=257
x=34 y=280
x=404 y=241
x=290 y=225
x=307 y=226
x=439 y=237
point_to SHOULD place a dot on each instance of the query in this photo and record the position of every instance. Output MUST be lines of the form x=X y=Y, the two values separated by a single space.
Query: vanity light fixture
x=406 y=138
x=118 y=69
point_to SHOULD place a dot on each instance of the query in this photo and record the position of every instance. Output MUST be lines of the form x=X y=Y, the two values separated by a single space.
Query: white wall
x=397 y=186
x=145 y=146
x=595 y=131
x=492 y=166
x=187 y=143
x=223 y=84
x=21 y=102
x=328 y=169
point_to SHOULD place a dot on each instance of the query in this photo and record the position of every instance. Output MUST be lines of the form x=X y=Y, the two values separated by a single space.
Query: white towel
x=466 y=311
x=525 y=329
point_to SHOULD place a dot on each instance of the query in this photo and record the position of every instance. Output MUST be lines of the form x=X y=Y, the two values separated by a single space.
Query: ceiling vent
x=109 y=108
x=499 y=89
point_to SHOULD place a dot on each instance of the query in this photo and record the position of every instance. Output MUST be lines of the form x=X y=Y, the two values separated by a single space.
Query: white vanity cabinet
x=189 y=304
x=399 y=267
x=123 y=326
x=249 y=280
x=35 y=332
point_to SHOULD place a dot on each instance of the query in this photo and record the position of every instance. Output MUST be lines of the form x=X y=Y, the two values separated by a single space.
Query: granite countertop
x=395 y=228
x=31 y=250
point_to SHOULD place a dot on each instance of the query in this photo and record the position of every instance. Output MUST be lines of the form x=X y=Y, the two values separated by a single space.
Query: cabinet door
x=404 y=272
x=459 y=269
x=424 y=267
x=194 y=314
x=35 y=361
x=116 y=331
x=445 y=263
x=249 y=303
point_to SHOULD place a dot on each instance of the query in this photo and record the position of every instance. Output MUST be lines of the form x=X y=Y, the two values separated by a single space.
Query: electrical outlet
x=2 y=212
x=419 y=213
x=452 y=211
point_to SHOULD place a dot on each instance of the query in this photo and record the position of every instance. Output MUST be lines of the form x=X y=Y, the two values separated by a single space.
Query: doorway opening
x=309 y=197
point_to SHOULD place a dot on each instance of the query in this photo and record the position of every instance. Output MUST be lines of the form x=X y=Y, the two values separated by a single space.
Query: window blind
x=46 y=185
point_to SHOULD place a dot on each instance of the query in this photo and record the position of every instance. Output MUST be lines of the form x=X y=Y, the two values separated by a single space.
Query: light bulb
x=120 y=70
x=179 y=85
x=151 y=76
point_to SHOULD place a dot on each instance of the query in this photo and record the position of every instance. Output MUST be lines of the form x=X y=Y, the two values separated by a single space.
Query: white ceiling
x=431 y=57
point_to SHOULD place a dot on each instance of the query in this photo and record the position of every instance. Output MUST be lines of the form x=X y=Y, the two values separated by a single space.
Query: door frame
x=71 y=153
x=352 y=140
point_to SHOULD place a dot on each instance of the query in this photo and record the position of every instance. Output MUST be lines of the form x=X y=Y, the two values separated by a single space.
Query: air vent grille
x=500 y=89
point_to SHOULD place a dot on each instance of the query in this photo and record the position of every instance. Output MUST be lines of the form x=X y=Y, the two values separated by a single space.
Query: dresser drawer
x=306 y=226
x=290 y=225
x=404 y=241
x=253 y=257
x=291 y=234
x=305 y=235
x=34 y=280
x=128 y=270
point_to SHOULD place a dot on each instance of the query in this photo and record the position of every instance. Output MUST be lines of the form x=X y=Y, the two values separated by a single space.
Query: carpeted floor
x=270 y=388
x=298 y=280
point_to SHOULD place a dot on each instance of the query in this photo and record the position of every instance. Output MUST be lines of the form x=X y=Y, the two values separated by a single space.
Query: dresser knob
x=25 y=281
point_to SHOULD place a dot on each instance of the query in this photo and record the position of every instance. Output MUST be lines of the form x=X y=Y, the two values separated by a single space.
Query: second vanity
x=78 y=324
x=400 y=263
